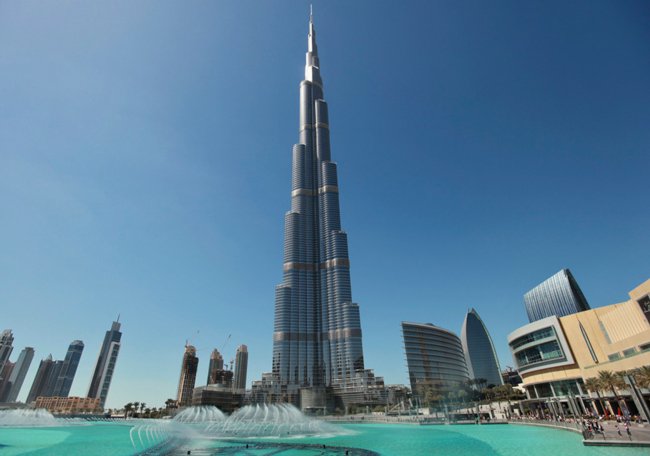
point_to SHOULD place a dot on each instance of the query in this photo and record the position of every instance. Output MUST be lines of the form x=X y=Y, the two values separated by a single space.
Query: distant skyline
x=145 y=167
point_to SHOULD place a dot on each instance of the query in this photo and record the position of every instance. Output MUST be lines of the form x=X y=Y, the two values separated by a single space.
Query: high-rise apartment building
x=435 y=359
x=105 y=367
x=241 y=367
x=317 y=329
x=216 y=365
x=559 y=295
x=68 y=369
x=17 y=377
x=6 y=347
x=480 y=356
x=188 y=377
x=39 y=385
x=5 y=373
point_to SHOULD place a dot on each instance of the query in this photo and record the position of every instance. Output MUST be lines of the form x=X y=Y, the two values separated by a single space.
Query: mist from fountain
x=27 y=418
x=208 y=422
x=200 y=414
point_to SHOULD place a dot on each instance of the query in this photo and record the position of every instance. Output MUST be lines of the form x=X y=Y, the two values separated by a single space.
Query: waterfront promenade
x=639 y=433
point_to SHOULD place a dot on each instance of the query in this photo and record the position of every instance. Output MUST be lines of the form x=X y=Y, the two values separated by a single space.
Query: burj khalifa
x=317 y=330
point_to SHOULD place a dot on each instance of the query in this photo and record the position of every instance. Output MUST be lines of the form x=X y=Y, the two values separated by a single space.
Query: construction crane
x=225 y=343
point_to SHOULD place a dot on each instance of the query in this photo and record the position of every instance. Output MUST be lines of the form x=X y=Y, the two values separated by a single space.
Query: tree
x=642 y=377
x=594 y=385
x=135 y=407
x=127 y=408
x=142 y=407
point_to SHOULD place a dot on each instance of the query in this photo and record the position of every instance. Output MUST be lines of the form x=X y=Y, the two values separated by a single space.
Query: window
x=614 y=356
x=629 y=352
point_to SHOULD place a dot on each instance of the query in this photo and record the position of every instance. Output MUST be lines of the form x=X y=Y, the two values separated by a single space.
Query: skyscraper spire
x=312 y=65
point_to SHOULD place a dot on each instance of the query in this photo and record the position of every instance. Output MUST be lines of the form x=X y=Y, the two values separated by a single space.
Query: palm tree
x=642 y=377
x=127 y=408
x=593 y=385
x=142 y=407
x=612 y=380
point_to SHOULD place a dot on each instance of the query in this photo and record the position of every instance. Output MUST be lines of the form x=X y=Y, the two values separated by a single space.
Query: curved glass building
x=317 y=330
x=481 y=358
x=559 y=295
x=434 y=357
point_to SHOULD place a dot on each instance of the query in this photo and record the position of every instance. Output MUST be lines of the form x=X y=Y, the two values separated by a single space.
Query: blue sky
x=145 y=168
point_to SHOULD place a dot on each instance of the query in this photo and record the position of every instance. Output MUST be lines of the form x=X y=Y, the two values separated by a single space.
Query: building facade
x=39 y=385
x=317 y=329
x=187 y=379
x=105 y=366
x=68 y=369
x=555 y=356
x=17 y=377
x=70 y=405
x=5 y=373
x=435 y=359
x=480 y=356
x=241 y=368
x=559 y=295
x=6 y=347
x=216 y=365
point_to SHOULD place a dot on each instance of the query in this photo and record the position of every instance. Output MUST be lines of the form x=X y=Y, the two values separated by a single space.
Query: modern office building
x=68 y=369
x=188 y=377
x=435 y=359
x=480 y=356
x=39 y=385
x=6 y=347
x=556 y=355
x=241 y=367
x=216 y=365
x=317 y=330
x=5 y=373
x=558 y=296
x=17 y=377
x=105 y=366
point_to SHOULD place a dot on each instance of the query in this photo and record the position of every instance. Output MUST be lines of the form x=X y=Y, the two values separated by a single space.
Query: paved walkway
x=640 y=434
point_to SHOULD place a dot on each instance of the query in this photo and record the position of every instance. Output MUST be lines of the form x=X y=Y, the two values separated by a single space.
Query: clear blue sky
x=145 y=168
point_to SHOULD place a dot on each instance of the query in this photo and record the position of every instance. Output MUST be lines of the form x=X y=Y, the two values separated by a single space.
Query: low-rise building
x=69 y=405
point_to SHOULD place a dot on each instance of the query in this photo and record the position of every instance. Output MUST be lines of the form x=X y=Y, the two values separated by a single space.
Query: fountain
x=209 y=423
x=200 y=414
x=27 y=418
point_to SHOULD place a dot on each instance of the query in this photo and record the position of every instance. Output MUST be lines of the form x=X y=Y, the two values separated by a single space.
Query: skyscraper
x=39 y=385
x=18 y=374
x=216 y=365
x=241 y=367
x=481 y=358
x=317 y=329
x=5 y=374
x=434 y=357
x=105 y=367
x=68 y=369
x=559 y=295
x=188 y=376
x=6 y=347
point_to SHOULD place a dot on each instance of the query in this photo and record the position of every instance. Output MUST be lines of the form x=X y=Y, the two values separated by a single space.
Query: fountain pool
x=158 y=438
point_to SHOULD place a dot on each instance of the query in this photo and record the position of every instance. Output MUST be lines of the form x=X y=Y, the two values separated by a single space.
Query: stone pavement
x=640 y=434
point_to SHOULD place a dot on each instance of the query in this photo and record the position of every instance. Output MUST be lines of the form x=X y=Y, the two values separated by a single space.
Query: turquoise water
x=388 y=440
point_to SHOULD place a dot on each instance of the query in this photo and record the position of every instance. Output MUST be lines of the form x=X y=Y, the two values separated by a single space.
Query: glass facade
x=537 y=348
x=434 y=357
x=105 y=367
x=69 y=369
x=317 y=329
x=479 y=350
x=558 y=295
